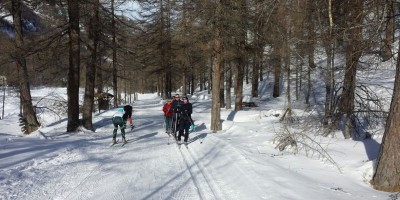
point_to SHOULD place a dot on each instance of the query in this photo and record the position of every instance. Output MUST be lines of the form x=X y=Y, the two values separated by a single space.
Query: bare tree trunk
x=240 y=61
x=329 y=82
x=386 y=176
x=192 y=81
x=221 y=86
x=287 y=23
x=258 y=48
x=88 y=103
x=114 y=56
x=256 y=70
x=28 y=115
x=353 y=54
x=216 y=72
x=74 y=65
x=310 y=46
x=276 y=61
x=389 y=32
x=276 y=52
x=228 y=86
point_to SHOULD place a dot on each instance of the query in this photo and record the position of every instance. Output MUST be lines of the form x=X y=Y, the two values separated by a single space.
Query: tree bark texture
x=353 y=54
x=216 y=71
x=240 y=61
x=114 y=57
x=28 y=113
x=74 y=65
x=88 y=103
x=387 y=172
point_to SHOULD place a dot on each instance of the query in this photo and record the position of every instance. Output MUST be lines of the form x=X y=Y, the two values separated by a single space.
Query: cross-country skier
x=185 y=120
x=168 y=113
x=176 y=108
x=128 y=112
x=118 y=120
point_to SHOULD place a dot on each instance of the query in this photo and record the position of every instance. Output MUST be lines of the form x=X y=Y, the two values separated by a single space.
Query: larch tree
x=74 y=66
x=28 y=115
x=387 y=172
x=94 y=32
x=216 y=69
x=240 y=60
x=354 y=45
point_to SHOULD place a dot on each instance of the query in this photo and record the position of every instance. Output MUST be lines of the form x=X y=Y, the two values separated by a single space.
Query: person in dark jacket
x=176 y=108
x=168 y=113
x=185 y=119
x=128 y=114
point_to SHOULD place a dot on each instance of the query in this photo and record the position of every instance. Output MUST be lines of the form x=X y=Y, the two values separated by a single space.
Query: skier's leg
x=176 y=125
x=181 y=129
x=187 y=124
x=115 y=131
x=169 y=124
x=123 y=125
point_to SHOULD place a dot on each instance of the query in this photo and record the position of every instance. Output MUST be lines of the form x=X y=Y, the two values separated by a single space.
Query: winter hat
x=121 y=110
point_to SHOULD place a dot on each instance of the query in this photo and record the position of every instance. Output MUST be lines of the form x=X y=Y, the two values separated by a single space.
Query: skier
x=118 y=120
x=168 y=113
x=128 y=112
x=176 y=108
x=185 y=119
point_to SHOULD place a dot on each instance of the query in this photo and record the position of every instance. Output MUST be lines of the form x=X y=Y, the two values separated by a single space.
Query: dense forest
x=127 y=47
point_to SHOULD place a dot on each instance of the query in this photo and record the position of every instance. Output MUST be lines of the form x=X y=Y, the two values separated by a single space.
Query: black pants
x=175 y=123
x=184 y=127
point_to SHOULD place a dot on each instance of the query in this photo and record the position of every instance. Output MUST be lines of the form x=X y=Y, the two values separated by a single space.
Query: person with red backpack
x=168 y=114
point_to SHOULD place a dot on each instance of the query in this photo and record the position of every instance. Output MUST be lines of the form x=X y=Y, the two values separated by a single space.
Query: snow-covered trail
x=237 y=163
x=145 y=168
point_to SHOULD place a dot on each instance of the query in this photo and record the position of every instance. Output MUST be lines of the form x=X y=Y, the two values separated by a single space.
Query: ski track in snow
x=118 y=172
x=85 y=166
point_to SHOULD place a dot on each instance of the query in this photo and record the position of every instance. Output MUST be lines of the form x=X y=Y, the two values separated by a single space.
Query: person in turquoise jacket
x=119 y=120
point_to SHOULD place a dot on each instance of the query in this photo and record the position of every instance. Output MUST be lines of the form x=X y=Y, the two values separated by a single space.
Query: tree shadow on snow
x=231 y=116
x=371 y=146
x=149 y=135
x=200 y=137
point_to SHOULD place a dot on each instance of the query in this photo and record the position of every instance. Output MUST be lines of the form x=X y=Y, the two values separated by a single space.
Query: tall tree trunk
x=277 y=45
x=258 y=48
x=192 y=81
x=310 y=46
x=329 y=80
x=74 y=65
x=386 y=176
x=353 y=54
x=99 y=77
x=287 y=23
x=221 y=86
x=389 y=32
x=28 y=114
x=228 y=86
x=216 y=72
x=114 y=56
x=240 y=62
x=276 y=61
x=165 y=37
x=88 y=103
x=184 y=83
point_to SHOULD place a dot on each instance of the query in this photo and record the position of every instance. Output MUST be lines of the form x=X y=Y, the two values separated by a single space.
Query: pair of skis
x=180 y=144
x=177 y=142
x=117 y=142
